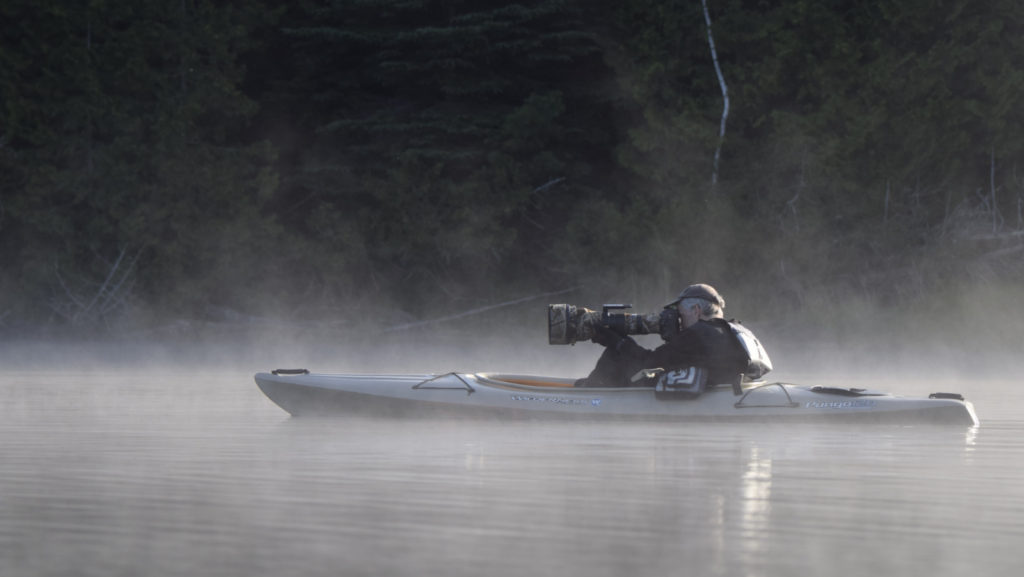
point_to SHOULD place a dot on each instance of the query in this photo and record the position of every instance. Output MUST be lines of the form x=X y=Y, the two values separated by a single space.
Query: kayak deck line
x=742 y=404
x=437 y=383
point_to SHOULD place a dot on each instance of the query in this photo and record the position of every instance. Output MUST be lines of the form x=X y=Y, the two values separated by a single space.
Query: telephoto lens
x=568 y=324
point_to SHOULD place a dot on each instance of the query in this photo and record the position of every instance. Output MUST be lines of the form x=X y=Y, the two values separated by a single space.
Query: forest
x=353 y=163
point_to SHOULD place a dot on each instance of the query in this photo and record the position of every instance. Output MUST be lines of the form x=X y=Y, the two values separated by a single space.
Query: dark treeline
x=398 y=160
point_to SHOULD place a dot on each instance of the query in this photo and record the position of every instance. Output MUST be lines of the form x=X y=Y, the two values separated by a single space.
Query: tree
x=448 y=136
x=122 y=121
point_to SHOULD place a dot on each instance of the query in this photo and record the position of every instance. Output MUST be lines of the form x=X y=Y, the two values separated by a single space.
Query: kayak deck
x=528 y=396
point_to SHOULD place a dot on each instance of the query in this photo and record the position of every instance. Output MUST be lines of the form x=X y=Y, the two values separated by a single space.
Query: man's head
x=698 y=301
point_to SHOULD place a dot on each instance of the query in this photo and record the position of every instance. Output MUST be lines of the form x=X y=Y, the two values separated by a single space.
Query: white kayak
x=522 y=396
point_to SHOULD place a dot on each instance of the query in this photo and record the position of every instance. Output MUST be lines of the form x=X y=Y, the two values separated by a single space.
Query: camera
x=568 y=324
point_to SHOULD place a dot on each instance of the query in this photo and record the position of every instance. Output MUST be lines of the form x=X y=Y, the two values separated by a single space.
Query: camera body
x=568 y=324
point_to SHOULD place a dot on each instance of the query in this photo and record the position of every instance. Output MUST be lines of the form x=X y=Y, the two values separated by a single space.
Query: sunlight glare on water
x=191 y=472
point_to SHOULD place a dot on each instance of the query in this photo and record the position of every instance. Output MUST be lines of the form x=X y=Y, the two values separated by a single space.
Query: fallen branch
x=476 y=311
x=1003 y=252
x=106 y=282
x=1013 y=234
x=111 y=295
x=548 y=184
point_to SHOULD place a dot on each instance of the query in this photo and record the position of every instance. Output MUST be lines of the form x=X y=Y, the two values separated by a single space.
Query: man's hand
x=671 y=324
x=606 y=337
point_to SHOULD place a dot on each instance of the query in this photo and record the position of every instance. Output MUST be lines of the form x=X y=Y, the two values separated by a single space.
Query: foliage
x=118 y=122
x=445 y=135
x=238 y=160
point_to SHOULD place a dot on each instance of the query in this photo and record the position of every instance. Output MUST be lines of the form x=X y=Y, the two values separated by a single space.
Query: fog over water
x=143 y=459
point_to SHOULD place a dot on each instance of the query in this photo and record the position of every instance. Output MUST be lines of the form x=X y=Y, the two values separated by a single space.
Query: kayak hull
x=523 y=396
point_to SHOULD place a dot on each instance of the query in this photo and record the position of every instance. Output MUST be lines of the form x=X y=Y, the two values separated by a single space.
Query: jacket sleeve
x=685 y=349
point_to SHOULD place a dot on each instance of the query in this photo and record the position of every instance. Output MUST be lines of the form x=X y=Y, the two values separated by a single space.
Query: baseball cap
x=699 y=291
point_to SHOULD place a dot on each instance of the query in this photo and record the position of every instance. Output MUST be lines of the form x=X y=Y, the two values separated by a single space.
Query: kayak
x=487 y=395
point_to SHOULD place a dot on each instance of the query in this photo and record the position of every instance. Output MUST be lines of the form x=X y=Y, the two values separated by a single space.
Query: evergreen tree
x=856 y=130
x=450 y=134
x=120 y=132
x=437 y=152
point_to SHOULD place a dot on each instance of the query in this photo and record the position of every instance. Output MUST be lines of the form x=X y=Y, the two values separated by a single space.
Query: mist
x=159 y=454
x=964 y=341
x=151 y=457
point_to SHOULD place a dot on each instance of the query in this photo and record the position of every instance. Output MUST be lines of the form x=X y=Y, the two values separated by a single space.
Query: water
x=131 y=471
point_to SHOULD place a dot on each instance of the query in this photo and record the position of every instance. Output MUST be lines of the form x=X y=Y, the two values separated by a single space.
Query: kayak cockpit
x=529 y=380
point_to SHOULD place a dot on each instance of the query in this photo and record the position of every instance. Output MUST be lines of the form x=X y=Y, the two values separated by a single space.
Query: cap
x=699 y=291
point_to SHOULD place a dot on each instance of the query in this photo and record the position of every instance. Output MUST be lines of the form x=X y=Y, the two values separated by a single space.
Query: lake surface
x=138 y=471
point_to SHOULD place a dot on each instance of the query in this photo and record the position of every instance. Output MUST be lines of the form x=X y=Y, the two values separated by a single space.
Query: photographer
x=697 y=336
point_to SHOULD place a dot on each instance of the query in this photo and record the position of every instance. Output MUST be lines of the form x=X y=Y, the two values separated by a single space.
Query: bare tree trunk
x=725 y=93
x=182 y=68
x=1020 y=212
x=88 y=117
x=885 y=215
x=992 y=185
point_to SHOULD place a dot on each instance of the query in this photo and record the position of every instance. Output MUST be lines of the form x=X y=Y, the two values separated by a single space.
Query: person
x=704 y=339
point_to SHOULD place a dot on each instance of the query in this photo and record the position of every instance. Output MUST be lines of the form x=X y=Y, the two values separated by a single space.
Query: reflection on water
x=757 y=492
x=114 y=473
